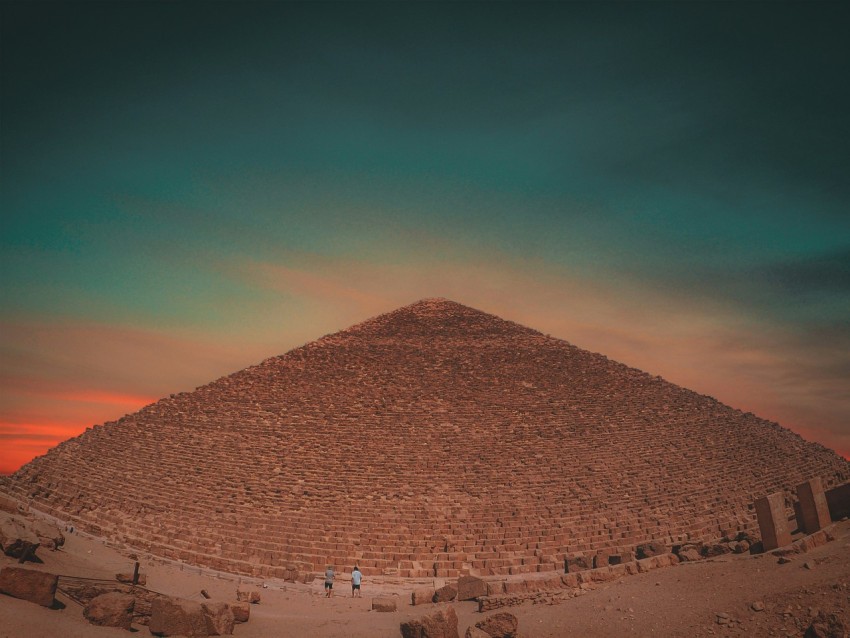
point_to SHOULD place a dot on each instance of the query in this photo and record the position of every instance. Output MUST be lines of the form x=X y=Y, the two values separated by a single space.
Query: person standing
x=356 y=577
x=329 y=581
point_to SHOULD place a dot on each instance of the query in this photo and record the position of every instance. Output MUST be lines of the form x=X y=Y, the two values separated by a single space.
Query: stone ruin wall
x=433 y=441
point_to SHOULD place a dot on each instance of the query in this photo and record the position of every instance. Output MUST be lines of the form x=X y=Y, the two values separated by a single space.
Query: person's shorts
x=353 y=586
x=329 y=585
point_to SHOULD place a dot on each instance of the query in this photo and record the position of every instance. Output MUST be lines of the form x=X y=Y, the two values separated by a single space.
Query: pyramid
x=435 y=440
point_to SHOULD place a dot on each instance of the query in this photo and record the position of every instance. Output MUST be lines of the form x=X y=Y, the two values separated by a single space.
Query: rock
x=383 y=604
x=741 y=547
x=128 y=579
x=718 y=549
x=16 y=536
x=475 y=632
x=445 y=594
x=579 y=563
x=113 y=609
x=650 y=549
x=501 y=625
x=252 y=597
x=470 y=588
x=422 y=596
x=241 y=611
x=690 y=554
x=8 y=504
x=722 y=618
x=783 y=560
x=440 y=624
x=49 y=536
x=219 y=617
x=176 y=617
x=826 y=625
x=757 y=606
x=809 y=564
x=29 y=584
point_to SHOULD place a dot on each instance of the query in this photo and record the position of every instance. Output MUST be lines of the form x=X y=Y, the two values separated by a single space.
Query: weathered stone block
x=29 y=584
x=219 y=617
x=16 y=536
x=112 y=609
x=578 y=563
x=422 y=596
x=773 y=524
x=176 y=617
x=440 y=624
x=241 y=611
x=470 y=588
x=814 y=511
x=445 y=594
x=383 y=604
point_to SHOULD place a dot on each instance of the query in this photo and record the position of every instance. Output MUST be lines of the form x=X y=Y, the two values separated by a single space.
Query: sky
x=190 y=188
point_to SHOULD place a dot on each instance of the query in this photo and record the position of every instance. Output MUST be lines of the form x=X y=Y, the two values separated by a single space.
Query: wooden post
x=136 y=574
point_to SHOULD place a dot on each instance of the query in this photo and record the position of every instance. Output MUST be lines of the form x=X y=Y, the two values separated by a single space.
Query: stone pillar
x=813 y=507
x=773 y=524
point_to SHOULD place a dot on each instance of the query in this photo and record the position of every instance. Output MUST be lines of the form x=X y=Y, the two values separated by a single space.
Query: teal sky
x=188 y=188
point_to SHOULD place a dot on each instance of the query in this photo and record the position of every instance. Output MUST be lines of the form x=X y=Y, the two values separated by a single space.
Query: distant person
x=356 y=577
x=329 y=581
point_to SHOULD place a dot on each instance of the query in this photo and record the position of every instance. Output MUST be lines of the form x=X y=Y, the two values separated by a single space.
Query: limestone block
x=29 y=584
x=440 y=624
x=578 y=563
x=241 y=611
x=219 y=617
x=475 y=632
x=16 y=536
x=422 y=596
x=113 y=609
x=445 y=594
x=814 y=511
x=470 y=588
x=383 y=604
x=176 y=617
x=773 y=524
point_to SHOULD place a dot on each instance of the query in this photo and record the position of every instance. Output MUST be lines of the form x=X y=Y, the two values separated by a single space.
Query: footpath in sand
x=731 y=595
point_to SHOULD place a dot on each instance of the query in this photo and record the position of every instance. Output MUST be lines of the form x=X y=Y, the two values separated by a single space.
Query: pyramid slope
x=430 y=441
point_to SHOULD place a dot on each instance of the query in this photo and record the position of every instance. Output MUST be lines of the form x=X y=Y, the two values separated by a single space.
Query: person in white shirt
x=356 y=577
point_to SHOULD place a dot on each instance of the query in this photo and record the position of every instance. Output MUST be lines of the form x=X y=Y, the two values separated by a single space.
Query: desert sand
x=683 y=600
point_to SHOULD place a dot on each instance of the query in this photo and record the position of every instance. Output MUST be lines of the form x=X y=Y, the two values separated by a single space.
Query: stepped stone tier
x=435 y=440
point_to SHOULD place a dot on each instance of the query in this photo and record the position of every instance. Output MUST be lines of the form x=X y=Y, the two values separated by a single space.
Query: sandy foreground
x=684 y=600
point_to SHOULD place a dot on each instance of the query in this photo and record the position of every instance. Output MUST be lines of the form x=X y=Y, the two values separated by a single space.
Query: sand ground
x=677 y=601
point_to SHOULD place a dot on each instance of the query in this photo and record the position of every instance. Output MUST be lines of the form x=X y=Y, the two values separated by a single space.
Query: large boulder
x=241 y=611
x=475 y=632
x=470 y=588
x=16 y=536
x=28 y=584
x=826 y=625
x=445 y=594
x=501 y=625
x=49 y=535
x=422 y=596
x=440 y=624
x=383 y=604
x=220 y=618
x=111 y=610
x=177 y=617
